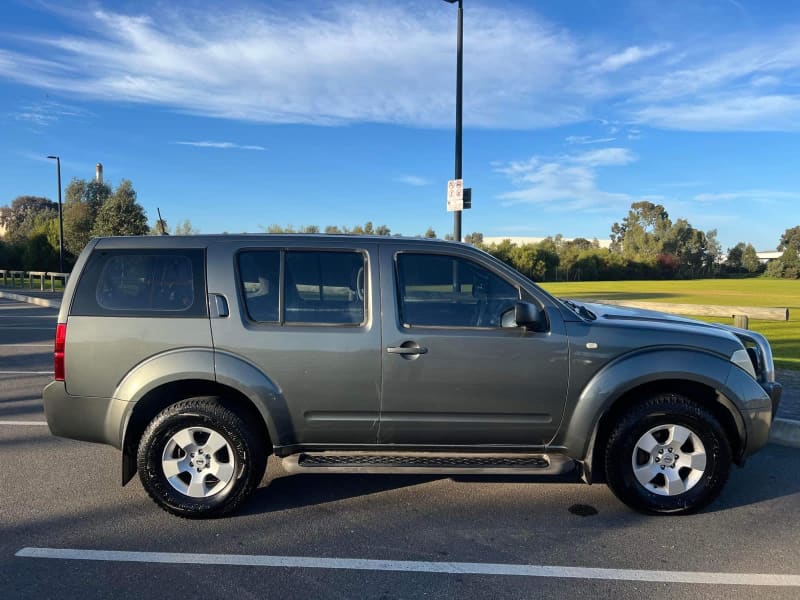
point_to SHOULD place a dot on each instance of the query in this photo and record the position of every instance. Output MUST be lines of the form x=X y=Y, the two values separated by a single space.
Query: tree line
x=645 y=244
x=91 y=208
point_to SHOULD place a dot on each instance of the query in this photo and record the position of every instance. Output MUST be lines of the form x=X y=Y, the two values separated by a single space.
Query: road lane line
x=26 y=345
x=26 y=423
x=460 y=568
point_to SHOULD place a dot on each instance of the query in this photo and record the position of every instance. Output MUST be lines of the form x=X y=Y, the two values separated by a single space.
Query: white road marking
x=460 y=568
x=26 y=345
x=26 y=372
x=26 y=423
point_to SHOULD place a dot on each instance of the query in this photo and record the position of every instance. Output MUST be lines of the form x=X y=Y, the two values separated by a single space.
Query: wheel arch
x=619 y=385
x=720 y=406
x=156 y=400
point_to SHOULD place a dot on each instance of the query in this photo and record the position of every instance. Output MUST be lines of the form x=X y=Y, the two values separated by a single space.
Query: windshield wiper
x=581 y=310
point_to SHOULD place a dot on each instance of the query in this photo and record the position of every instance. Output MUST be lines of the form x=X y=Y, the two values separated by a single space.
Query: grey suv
x=200 y=356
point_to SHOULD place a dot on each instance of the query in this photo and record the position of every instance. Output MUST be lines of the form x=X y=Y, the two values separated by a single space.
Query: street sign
x=467 y=198
x=455 y=195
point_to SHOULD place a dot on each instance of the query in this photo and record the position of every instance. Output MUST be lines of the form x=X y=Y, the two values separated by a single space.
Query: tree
x=475 y=238
x=429 y=233
x=735 y=256
x=750 y=259
x=641 y=234
x=121 y=214
x=20 y=218
x=790 y=237
x=83 y=200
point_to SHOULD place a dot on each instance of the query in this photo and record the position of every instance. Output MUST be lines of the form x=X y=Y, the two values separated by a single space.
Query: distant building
x=765 y=256
x=522 y=241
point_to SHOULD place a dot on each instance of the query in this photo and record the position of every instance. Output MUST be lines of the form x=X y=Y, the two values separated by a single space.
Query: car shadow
x=310 y=489
x=767 y=476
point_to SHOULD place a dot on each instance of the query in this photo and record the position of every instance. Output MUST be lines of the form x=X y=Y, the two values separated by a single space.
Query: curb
x=785 y=432
x=31 y=299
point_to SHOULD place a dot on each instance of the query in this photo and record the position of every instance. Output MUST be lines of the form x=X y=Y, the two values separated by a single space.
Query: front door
x=452 y=375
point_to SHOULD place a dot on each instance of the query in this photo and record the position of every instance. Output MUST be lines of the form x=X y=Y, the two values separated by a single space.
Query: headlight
x=742 y=359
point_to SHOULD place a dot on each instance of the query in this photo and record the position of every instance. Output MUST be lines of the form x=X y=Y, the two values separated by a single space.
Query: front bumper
x=774 y=390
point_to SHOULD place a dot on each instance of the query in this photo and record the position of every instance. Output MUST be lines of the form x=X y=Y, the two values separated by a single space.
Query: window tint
x=324 y=287
x=438 y=290
x=130 y=283
x=259 y=273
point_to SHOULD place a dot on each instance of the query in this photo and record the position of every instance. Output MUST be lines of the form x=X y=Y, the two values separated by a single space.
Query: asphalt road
x=436 y=537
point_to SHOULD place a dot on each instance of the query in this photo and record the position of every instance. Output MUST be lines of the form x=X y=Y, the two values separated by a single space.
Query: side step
x=438 y=463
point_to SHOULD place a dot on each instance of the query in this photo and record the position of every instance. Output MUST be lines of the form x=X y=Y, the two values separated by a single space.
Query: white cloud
x=566 y=183
x=763 y=196
x=222 y=145
x=336 y=63
x=413 y=180
x=604 y=157
x=743 y=112
x=47 y=112
x=339 y=64
x=629 y=56
x=585 y=139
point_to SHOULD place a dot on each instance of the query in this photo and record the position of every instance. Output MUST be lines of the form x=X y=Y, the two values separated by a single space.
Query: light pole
x=459 y=86
x=60 y=218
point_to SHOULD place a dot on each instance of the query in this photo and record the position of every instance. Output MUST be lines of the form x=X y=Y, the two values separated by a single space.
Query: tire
x=198 y=459
x=667 y=455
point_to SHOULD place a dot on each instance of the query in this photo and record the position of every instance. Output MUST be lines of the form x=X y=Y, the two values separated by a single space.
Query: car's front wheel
x=199 y=459
x=667 y=455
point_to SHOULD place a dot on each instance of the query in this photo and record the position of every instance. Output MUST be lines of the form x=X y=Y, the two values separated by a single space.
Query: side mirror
x=525 y=314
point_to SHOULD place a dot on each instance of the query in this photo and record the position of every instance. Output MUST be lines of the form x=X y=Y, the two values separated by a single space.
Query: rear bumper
x=100 y=420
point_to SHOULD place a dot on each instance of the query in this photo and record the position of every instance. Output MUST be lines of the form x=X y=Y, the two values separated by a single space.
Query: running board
x=437 y=463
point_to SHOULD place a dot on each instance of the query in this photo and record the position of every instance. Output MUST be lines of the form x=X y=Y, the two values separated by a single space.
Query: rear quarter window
x=168 y=283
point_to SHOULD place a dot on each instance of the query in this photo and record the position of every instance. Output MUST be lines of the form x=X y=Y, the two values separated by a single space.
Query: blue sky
x=241 y=114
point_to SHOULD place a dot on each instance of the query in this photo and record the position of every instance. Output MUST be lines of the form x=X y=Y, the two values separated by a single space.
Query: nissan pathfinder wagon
x=199 y=356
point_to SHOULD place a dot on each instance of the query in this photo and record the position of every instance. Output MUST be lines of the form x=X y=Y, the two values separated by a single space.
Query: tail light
x=61 y=339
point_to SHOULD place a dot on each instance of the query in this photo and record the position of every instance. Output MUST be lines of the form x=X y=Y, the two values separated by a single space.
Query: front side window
x=436 y=290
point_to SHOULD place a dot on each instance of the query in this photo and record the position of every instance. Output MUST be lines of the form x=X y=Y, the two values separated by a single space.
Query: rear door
x=451 y=375
x=306 y=316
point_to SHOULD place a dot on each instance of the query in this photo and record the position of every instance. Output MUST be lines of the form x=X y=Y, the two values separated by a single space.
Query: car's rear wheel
x=199 y=459
x=667 y=455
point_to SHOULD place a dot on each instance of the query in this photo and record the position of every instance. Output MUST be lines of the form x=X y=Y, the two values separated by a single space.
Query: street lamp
x=459 y=86
x=60 y=218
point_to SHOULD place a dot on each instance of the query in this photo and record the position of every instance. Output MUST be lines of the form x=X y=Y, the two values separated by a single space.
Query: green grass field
x=783 y=336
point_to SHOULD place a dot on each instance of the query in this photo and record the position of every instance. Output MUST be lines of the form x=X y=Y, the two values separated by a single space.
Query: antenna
x=162 y=224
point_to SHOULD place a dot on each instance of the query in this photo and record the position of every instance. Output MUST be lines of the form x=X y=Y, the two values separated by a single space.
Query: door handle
x=217 y=306
x=406 y=350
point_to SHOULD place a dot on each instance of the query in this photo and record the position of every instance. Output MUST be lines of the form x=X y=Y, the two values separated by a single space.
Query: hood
x=639 y=317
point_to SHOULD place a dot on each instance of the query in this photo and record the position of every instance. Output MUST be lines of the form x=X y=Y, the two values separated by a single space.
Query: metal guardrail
x=32 y=275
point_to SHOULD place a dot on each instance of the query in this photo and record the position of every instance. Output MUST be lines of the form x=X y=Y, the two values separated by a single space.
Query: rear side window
x=122 y=283
x=324 y=287
x=259 y=274
x=319 y=287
